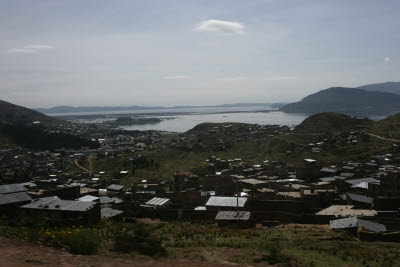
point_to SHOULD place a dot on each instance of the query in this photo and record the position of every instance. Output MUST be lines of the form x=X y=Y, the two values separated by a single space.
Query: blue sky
x=187 y=52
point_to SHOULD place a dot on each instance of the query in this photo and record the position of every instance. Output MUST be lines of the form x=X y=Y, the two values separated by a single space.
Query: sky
x=192 y=52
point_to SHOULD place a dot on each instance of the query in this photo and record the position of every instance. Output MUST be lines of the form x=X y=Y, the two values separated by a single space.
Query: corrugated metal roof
x=346 y=210
x=12 y=188
x=327 y=179
x=88 y=198
x=109 y=212
x=366 y=180
x=233 y=215
x=54 y=203
x=158 y=201
x=360 y=198
x=226 y=201
x=330 y=170
x=106 y=200
x=14 y=198
x=115 y=187
x=355 y=222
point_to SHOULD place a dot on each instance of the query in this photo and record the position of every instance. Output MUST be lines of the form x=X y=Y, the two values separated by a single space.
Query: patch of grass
x=85 y=242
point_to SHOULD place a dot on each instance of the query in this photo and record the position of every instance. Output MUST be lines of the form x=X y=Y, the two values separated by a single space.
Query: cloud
x=177 y=77
x=232 y=79
x=387 y=59
x=279 y=78
x=30 y=49
x=221 y=26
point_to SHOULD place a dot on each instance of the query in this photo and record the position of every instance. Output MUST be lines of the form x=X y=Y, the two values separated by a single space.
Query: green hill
x=332 y=123
x=14 y=114
x=350 y=101
x=389 y=127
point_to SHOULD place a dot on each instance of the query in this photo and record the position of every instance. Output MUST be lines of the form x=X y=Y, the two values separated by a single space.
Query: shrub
x=85 y=242
x=141 y=241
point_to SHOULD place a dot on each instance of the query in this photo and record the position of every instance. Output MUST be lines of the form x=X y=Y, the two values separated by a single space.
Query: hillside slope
x=332 y=123
x=17 y=128
x=350 y=101
x=14 y=114
x=388 y=87
x=389 y=127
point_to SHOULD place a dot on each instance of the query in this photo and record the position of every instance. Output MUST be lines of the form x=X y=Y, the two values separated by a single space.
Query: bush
x=85 y=242
x=141 y=242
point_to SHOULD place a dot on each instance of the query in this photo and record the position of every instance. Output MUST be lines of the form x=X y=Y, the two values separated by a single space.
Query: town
x=76 y=187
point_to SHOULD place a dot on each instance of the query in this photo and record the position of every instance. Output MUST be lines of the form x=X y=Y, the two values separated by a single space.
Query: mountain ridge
x=72 y=109
x=349 y=101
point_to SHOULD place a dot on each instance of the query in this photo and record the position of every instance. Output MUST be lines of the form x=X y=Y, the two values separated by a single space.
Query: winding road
x=90 y=170
x=383 y=138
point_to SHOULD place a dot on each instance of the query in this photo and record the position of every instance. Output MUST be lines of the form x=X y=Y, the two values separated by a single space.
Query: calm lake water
x=185 y=122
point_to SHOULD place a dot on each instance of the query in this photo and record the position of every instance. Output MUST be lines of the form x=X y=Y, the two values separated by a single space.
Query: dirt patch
x=16 y=253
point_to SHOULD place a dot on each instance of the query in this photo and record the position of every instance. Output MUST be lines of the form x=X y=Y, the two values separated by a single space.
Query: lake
x=185 y=122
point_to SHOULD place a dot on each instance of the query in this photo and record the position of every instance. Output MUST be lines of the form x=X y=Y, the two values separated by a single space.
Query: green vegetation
x=289 y=146
x=332 y=123
x=301 y=245
x=389 y=127
x=85 y=241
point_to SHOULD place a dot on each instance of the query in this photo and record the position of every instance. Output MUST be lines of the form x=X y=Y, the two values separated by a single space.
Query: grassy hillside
x=332 y=123
x=389 y=127
x=289 y=146
x=15 y=114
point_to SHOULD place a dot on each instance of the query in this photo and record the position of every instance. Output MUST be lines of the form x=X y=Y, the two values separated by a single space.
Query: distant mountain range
x=70 y=109
x=388 y=87
x=367 y=100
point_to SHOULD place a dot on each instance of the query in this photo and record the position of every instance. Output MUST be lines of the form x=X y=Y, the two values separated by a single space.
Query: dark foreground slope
x=10 y=113
x=350 y=101
x=17 y=127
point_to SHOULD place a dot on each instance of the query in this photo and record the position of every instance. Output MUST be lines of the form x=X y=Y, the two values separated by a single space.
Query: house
x=12 y=188
x=107 y=213
x=345 y=211
x=354 y=222
x=115 y=187
x=360 y=200
x=158 y=202
x=233 y=217
x=218 y=203
x=54 y=208
x=10 y=202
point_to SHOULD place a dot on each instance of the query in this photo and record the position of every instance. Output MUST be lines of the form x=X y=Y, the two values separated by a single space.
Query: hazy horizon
x=174 y=53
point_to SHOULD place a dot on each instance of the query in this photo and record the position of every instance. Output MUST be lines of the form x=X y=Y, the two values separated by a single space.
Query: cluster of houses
x=348 y=195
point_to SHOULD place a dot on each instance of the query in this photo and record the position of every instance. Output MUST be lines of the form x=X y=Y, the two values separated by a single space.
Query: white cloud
x=30 y=49
x=232 y=79
x=39 y=47
x=221 y=26
x=279 y=78
x=177 y=77
x=387 y=59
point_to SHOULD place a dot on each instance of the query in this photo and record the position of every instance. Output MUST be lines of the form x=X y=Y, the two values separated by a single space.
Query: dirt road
x=90 y=170
x=383 y=138
x=16 y=253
